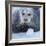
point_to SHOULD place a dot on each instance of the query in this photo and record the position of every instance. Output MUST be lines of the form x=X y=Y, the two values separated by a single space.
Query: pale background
x=3 y=23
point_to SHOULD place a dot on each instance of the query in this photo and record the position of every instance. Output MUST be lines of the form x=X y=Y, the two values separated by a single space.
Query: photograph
x=25 y=23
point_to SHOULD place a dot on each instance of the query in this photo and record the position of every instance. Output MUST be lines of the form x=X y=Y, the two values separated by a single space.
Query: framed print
x=25 y=22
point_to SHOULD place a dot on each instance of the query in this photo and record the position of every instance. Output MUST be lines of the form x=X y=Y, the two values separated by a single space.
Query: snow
x=29 y=32
x=26 y=35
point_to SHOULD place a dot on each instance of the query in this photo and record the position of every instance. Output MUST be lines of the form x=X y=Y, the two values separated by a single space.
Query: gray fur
x=34 y=23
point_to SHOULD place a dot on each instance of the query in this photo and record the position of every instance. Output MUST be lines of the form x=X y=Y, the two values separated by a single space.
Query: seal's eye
x=29 y=14
x=23 y=13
